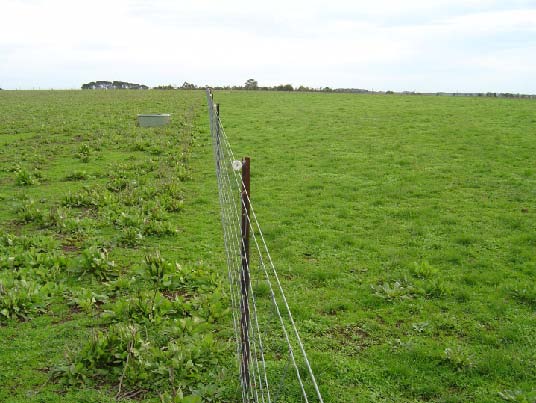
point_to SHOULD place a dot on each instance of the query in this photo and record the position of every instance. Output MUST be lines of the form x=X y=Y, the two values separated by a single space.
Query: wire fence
x=273 y=365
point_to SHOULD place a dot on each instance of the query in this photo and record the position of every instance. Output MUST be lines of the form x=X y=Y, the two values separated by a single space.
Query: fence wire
x=271 y=358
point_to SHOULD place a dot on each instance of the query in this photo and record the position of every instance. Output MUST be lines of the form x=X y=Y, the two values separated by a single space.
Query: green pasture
x=109 y=288
x=403 y=228
x=406 y=230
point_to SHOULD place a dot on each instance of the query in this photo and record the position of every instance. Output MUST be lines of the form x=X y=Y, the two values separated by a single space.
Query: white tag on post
x=237 y=165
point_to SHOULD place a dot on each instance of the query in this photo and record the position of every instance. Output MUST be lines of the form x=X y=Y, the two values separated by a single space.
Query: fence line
x=267 y=339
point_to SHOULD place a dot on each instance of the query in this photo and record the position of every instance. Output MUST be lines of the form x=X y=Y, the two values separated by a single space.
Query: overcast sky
x=415 y=45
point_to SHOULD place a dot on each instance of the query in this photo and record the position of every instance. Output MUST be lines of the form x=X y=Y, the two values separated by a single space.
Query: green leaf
x=192 y=399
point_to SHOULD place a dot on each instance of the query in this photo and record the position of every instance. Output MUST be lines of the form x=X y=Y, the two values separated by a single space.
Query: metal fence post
x=218 y=147
x=244 y=274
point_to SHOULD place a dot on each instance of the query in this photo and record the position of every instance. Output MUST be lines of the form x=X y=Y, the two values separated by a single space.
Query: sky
x=402 y=45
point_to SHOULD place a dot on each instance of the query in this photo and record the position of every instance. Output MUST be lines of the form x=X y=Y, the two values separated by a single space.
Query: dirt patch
x=137 y=394
x=70 y=248
x=172 y=295
x=351 y=336
x=66 y=318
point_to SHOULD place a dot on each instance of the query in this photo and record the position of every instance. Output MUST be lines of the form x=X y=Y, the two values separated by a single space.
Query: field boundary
x=255 y=320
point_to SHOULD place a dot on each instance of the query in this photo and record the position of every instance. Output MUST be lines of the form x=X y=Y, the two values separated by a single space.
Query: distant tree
x=121 y=85
x=103 y=85
x=285 y=87
x=188 y=86
x=89 y=86
x=113 y=85
x=164 y=87
x=327 y=89
x=251 y=84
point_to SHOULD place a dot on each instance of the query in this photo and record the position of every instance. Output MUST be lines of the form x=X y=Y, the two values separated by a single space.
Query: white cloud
x=417 y=44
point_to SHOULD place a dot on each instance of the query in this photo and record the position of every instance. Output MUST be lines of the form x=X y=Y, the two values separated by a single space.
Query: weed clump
x=83 y=153
x=20 y=299
x=23 y=177
x=76 y=175
x=95 y=263
x=159 y=338
x=458 y=358
x=396 y=290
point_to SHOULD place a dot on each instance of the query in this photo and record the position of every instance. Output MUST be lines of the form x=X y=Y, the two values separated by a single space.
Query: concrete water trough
x=153 y=119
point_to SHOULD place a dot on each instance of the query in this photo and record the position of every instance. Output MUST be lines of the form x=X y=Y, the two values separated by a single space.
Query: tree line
x=113 y=85
x=253 y=85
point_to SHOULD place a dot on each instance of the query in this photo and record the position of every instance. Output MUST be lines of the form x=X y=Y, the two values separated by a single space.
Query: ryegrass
x=403 y=228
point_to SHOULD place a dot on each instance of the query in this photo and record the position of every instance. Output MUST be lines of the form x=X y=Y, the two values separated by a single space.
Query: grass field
x=97 y=214
x=404 y=229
